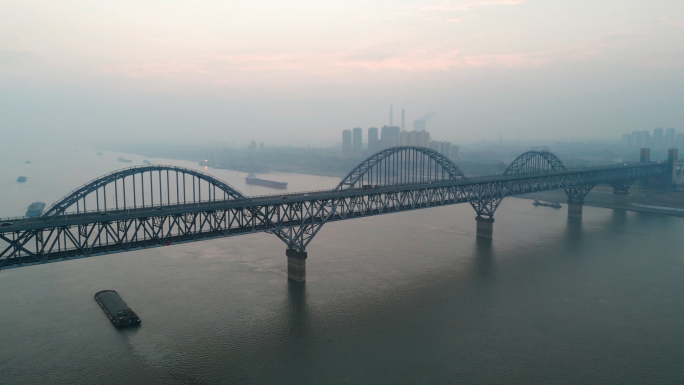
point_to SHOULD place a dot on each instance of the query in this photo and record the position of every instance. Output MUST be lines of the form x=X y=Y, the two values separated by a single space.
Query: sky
x=299 y=72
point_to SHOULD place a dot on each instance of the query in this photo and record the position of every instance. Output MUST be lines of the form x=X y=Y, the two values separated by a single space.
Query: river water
x=408 y=298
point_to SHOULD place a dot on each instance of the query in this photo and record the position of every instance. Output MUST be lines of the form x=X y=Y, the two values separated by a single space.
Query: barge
x=252 y=179
x=21 y=179
x=555 y=205
x=116 y=309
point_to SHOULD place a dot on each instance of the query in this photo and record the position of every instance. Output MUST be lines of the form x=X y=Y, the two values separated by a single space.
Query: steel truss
x=294 y=222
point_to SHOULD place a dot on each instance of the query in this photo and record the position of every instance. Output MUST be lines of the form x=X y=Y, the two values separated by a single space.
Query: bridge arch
x=402 y=165
x=533 y=162
x=148 y=186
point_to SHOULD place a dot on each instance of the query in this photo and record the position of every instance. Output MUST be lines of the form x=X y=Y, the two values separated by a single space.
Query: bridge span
x=150 y=206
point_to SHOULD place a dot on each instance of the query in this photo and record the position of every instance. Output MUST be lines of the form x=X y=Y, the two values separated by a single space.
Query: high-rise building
x=443 y=147
x=646 y=139
x=679 y=141
x=658 y=138
x=252 y=145
x=670 y=137
x=373 y=140
x=261 y=145
x=419 y=125
x=357 y=141
x=389 y=135
x=415 y=138
x=454 y=151
x=626 y=140
x=346 y=143
x=636 y=139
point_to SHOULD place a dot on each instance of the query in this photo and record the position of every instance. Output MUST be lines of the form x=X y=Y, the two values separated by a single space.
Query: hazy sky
x=299 y=72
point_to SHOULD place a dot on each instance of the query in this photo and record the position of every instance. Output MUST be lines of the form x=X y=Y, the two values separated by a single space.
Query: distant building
x=346 y=143
x=679 y=141
x=636 y=139
x=357 y=141
x=454 y=151
x=646 y=139
x=261 y=145
x=445 y=148
x=389 y=135
x=658 y=138
x=252 y=146
x=627 y=140
x=670 y=137
x=415 y=138
x=374 y=144
x=419 y=125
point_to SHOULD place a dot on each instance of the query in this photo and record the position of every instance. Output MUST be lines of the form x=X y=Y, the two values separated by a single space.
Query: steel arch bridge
x=401 y=165
x=157 y=178
x=149 y=206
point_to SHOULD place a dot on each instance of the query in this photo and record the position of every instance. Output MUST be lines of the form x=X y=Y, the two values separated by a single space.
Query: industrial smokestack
x=402 y=119
x=391 y=115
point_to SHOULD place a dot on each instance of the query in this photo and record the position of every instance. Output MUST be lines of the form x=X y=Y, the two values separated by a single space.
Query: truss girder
x=296 y=223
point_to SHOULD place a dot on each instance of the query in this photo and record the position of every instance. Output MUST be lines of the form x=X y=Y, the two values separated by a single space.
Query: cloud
x=381 y=57
x=467 y=5
x=676 y=23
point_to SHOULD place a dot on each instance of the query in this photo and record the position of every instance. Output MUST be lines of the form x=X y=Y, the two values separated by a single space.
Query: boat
x=554 y=205
x=122 y=159
x=116 y=309
x=146 y=162
x=252 y=179
x=35 y=209
x=27 y=162
x=21 y=179
x=99 y=153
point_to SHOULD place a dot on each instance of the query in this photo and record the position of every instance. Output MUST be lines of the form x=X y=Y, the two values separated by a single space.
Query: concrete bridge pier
x=620 y=198
x=485 y=227
x=296 y=265
x=575 y=209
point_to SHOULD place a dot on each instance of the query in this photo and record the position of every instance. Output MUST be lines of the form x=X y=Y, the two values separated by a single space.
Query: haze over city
x=298 y=73
x=317 y=192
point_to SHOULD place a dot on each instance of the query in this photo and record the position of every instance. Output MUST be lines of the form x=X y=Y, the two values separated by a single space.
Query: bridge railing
x=208 y=204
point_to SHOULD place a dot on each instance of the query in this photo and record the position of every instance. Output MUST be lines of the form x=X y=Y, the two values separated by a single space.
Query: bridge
x=151 y=206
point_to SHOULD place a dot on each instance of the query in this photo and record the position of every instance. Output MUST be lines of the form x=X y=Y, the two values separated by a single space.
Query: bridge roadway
x=297 y=218
x=94 y=216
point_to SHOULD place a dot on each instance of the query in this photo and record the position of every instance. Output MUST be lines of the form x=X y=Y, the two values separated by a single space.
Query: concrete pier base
x=485 y=227
x=575 y=209
x=620 y=198
x=296 y=265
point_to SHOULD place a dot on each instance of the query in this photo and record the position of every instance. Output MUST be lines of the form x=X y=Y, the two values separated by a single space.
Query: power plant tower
x=391 y=115
x=402 y=119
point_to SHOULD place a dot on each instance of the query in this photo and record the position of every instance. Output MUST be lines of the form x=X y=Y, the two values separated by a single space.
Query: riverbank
x=602 y=196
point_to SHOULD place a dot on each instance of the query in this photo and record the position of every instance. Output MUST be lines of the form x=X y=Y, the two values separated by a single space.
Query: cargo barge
x=252 y=179
x=116 y=309
x=21 y=179
x=124 y=160
x=554 y=205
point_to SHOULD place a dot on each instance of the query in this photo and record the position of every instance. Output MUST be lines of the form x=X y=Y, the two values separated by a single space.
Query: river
x=407 y=298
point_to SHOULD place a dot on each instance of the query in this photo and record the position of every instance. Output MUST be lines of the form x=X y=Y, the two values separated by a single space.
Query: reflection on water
x=402 y=298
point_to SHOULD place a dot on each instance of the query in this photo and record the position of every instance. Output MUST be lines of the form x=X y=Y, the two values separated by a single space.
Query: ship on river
x=555 y=205
x=35 y=209
x=252 y=179
x=124 y=160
